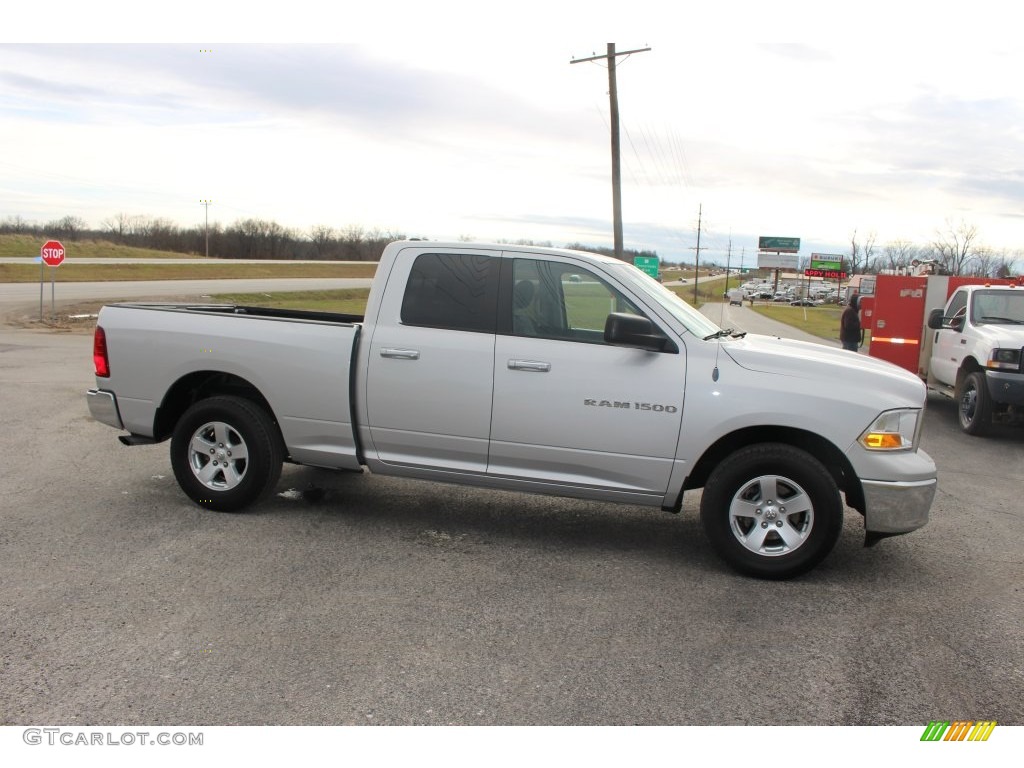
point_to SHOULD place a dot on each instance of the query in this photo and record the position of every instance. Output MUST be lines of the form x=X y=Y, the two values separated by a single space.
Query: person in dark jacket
x=850 y=333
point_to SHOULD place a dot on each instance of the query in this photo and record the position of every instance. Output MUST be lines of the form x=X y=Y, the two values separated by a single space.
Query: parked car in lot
x=490 y=365
x=804 y=303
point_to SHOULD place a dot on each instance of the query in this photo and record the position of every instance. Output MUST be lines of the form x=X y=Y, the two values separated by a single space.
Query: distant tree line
x=955 y=249
x=244 y=239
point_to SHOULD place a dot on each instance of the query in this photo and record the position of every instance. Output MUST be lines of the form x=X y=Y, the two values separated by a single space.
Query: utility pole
x=206 y=204
x=728 y=262
x=696 y=258
x=613 y=98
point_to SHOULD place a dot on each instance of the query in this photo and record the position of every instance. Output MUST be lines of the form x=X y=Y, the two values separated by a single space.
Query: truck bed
x=299 y=362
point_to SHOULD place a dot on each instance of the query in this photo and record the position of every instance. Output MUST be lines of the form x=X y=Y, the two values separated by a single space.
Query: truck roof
x=451 y=244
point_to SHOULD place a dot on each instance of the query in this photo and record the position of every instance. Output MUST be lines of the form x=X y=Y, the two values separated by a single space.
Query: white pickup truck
x=528 y=369
x=976 y=353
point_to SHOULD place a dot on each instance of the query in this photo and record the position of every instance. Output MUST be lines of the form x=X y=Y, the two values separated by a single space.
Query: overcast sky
x=451 y=119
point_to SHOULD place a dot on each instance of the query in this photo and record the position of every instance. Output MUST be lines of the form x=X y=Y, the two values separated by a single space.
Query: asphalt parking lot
x=350 y=599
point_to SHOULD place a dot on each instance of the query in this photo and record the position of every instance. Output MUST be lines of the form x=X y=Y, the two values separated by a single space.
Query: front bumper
x=1005 y=387
x=897 y=507
x=103 y=407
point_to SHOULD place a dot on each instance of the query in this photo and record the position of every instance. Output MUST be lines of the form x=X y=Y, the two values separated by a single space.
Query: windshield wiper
x=725 y=332
x=987 y=319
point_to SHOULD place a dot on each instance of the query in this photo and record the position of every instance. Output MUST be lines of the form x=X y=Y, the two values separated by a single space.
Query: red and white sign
x=52 y=253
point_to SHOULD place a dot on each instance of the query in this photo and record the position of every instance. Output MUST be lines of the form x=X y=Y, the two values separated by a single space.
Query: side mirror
x=624 y=329
x=937 y=321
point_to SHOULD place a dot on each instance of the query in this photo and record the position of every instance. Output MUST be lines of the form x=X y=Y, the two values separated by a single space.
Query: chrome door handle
x=529 y=365
x=400 y=354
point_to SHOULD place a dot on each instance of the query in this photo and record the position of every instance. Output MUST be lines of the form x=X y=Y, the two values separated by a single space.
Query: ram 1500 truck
x=528 y=369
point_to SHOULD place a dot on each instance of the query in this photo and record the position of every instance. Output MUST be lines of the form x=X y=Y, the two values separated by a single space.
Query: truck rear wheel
x=772 y=511
x=226 y=453
x=974 y=404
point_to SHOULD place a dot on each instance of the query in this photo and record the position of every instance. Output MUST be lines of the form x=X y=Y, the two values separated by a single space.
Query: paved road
x=745 y=319
x=359 y=599
x=14 y=295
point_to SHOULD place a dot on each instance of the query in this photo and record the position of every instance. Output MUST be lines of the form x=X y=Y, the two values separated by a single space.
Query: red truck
x=964 y=336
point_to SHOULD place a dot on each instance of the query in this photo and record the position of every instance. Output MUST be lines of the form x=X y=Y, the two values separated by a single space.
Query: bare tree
x=953 y=245
x=983 y=263
x=324 y=240
x=277 y=237
x=69 y=227
x=15 y=225
x=897 y=255
x=869 y=249
x=117 y=225
x=1006 y=262
x=861 y=255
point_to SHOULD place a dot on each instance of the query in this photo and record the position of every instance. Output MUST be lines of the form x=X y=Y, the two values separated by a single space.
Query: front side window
x=556 y=300
x=958 y=306
x=457 y=291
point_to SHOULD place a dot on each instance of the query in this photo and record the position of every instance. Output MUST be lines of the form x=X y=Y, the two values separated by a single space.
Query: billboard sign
x=776 y=260
x=779 y=244
x=826 y=265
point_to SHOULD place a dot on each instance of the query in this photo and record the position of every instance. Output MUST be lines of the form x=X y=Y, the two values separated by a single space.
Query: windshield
x=691 y=319
x=998 y=307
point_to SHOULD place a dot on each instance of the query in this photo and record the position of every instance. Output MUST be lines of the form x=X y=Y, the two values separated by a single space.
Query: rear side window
x=457 y=291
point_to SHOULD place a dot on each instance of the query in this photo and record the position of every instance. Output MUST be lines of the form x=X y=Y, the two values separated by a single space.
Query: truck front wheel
x=226 y=453
x=974 y=404
x=771 y=511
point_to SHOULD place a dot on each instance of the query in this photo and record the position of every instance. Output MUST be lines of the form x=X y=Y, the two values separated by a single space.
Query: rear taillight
x=99 y=353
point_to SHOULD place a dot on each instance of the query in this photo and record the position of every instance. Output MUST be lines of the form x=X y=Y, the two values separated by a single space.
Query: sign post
x=52 y=255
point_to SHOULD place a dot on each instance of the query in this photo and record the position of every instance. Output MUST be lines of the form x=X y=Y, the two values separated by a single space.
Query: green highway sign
x=647 y=264
x=779 y=244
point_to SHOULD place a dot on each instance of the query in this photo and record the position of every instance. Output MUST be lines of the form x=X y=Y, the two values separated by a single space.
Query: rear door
x=431 y=361
x=569 y=408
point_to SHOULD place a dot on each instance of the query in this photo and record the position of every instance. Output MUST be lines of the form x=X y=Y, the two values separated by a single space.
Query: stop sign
x=52 y=253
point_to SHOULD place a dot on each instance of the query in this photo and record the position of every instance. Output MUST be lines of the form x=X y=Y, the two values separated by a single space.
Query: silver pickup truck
x=528 y=369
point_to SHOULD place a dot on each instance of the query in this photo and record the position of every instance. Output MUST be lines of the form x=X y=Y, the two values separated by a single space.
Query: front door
x=950 y=345
x=569 y=408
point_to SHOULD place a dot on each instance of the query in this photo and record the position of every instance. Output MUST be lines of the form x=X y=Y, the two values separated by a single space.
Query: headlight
x=893 y=431
x=1005 y=359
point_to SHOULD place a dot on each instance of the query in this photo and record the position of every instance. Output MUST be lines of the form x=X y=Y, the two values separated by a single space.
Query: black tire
x=974 y=406
x=226 y=453
x=795 y=513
